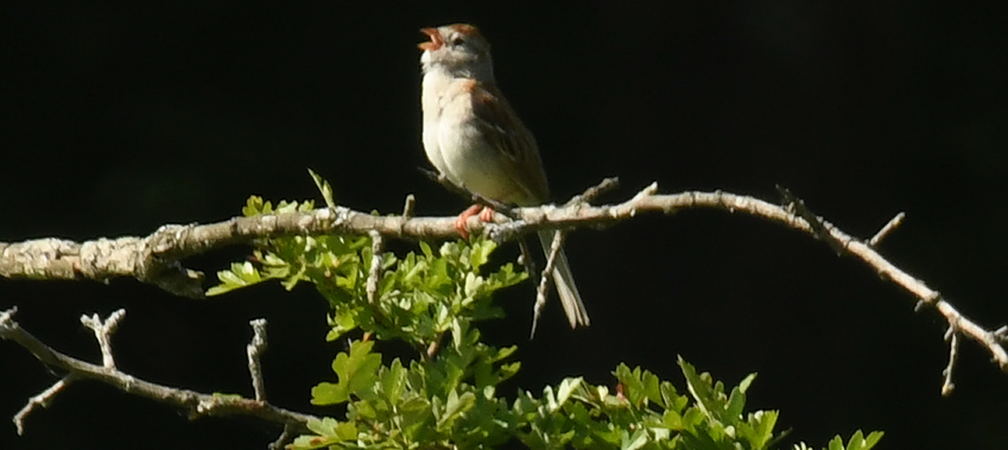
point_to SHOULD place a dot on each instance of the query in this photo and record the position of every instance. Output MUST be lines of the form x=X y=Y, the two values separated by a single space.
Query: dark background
x=118 y=118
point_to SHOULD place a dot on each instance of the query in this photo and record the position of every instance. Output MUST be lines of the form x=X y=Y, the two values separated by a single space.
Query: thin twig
x=820 y=227
x=590 y=194
x=40 y=401
x=374 y=272
x=286 y=436
x=408 y=206
x=1001 y=334
x=948 y=386
x=893 y=223
x=434 y=347
x=103 y=333
x=544 y=280
x=254 y=350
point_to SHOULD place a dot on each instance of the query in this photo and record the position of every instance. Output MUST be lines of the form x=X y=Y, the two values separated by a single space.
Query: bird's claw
x=486 y=215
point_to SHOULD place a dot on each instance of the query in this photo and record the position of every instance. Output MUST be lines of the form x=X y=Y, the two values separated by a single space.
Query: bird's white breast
x=435 y=85
x=451 y=137
x=454 y=142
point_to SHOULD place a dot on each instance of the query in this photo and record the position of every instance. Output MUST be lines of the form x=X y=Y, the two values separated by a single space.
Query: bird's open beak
x=435 y=39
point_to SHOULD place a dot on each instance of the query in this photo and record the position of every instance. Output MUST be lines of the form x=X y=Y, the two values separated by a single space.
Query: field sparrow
x=474 y=138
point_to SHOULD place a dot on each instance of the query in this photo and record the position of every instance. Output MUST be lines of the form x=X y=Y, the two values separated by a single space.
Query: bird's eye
x=458 y=41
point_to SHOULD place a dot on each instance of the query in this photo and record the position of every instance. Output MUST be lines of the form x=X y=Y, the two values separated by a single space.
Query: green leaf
x=240 y=275
x=635 y=441
x=356 y=371
x=651 y=388
x=744 y=384
x=859 y=442
x=709 y=396
x=254 y=206
x=323 y=426
x=758 y=428
x=326 y=393
x=324 y=188
x=454 y=408
x=670 y=398
x=393 y=382
x=481 y=251
x=307 y=442
x=630 y=382
x=343 y=320
x=736 y=403
x=566 y=388
x=873 y=438
x=426 y=249
x=288 y=207
x=549 y=398
x=673 y=421
x=836 y=443
x=329 y=431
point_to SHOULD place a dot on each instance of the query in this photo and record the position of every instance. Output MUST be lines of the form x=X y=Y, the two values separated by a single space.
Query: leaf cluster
x=446 y=397
x=418 y=299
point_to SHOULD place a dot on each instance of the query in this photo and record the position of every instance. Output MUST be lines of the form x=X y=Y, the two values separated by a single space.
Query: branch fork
x=197 y=404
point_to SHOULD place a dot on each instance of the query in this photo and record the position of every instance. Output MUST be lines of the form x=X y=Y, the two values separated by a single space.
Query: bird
x=474 y=138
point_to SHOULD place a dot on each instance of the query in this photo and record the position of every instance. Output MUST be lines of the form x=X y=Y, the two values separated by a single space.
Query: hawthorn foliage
x=446 y=397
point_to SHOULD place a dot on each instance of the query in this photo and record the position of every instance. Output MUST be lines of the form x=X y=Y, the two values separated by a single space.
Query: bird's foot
x=486 y=215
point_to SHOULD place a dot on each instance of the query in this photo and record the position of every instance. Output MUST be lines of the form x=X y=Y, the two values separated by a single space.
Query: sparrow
x=474 y=138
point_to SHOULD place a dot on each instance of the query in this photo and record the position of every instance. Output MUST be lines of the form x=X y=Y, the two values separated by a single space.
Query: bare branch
x=408 y=206
x=893 y=223
x=195 y=403
x=254 y=350
x=42 y=400
x=155 y=258
x=374 y=272
x=285 y=437
x=590 y=194
x=544 y=280
x=820 y=228
x=7 y=317
x=948 y=386
x=1001 y=334
x=103 y=333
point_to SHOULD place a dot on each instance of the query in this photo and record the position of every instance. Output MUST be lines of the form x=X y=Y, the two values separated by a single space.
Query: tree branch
x=103 y=330
x=374 y=272
x=254 y=350
x=195 y=403
x=544 y=280
x=155 y=258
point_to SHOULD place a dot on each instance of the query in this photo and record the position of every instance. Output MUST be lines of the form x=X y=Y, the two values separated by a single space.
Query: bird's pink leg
x=486 y=215
x=460 y=222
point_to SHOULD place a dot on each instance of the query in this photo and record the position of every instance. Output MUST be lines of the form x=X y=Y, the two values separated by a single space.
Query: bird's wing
x=502 y=127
